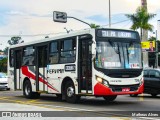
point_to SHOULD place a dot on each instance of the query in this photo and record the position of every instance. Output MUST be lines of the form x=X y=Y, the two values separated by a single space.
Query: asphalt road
x=123 y=106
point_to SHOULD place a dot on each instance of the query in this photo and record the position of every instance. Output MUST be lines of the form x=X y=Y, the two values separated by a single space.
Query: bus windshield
x=118 y=55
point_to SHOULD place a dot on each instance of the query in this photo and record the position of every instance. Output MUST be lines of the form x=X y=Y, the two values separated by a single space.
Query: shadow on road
x=83 y=101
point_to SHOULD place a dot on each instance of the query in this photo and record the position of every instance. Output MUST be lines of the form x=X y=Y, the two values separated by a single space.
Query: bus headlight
x=106 y=83
x=102 y=81
x=99 y=79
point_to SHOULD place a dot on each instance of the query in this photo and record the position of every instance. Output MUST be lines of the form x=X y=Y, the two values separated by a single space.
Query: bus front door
x=17 y=70
x=85 y=66
x=41 y=64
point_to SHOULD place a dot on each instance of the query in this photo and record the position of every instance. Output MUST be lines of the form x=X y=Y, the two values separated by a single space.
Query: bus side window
x=28 y=56
x=53 y=53
x=68 y=51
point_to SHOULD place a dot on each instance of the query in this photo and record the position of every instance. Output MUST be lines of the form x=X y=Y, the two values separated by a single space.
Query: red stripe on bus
x=26 y=72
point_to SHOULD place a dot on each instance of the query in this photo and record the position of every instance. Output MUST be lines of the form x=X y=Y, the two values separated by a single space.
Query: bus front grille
x=118 y=88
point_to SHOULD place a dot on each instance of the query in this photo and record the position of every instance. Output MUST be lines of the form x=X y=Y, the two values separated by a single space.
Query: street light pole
x=156 y=42
x=109 y=14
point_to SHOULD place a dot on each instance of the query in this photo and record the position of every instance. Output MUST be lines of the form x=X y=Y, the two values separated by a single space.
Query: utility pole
x=109 y=14
x=145 y=32
x=157 y=42
x=144 y=36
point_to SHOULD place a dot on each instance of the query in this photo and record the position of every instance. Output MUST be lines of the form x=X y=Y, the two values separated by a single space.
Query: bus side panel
x=43 y=83
x=18 y=79
x=29 y=73
x=56 y=74
x=11 y=83
x=54 y=77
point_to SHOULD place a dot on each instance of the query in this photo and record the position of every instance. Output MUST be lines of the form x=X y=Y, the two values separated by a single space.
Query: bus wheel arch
x=65 y=80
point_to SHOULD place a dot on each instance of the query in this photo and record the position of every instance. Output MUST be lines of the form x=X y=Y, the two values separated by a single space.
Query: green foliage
x=3 y=65
x=5 y=51
x=140 y=20
x=94 y=25
x=152 y=38
x=14 y=40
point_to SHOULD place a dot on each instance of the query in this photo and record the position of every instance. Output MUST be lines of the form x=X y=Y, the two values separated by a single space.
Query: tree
x=94 y=25
x=152 y=38
x=5 y=51
x=140 y=20
x=3 y=64
x=14 y=40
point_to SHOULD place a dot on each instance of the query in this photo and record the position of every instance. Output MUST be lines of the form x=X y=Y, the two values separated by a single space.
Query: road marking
x=63 y=108
x=32 y=101
x=4 y=97
x=141 y=98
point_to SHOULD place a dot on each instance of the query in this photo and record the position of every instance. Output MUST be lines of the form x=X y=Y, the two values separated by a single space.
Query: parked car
x=3 y=81
x=151 y=82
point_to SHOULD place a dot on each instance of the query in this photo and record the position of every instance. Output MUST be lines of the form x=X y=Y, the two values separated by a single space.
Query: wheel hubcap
x=70 y=91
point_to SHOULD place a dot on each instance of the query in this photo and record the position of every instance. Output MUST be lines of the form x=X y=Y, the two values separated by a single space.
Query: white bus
x=98 y=62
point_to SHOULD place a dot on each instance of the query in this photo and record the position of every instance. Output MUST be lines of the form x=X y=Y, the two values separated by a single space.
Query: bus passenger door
x=85 y=66
x=41 y=64
x=17 y=70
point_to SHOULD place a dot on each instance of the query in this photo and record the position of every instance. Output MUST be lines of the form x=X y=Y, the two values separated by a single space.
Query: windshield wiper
x=127 y=53
x=116 y=50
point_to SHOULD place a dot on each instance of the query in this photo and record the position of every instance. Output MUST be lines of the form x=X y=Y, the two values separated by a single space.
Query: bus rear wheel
x=110 y=98
x=70 y=95
x=27 y=91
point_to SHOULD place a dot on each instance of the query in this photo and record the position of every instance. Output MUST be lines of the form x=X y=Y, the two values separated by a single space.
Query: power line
x=117 y=22
x=36 y=35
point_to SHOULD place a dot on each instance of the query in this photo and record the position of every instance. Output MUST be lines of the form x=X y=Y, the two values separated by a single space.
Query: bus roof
x=64 y=35
x=57 y=36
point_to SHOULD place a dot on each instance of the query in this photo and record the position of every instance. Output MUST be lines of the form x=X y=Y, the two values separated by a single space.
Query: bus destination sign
x=116 y=33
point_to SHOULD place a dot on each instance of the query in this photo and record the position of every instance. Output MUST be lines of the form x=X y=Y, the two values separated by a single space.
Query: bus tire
x=27 y=90
x=70 y=95
x=110 y=98
x=133 y=95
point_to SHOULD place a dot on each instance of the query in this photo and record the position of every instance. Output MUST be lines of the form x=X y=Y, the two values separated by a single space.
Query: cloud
x=35 y=16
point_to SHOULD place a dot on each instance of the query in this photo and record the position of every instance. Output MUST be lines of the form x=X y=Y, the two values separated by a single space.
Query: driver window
x=152 y=74
x=157 y=75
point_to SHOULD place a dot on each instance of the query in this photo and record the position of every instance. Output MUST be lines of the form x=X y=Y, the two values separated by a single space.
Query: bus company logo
x=21 y=114
x=51 y=71
x=116 y=81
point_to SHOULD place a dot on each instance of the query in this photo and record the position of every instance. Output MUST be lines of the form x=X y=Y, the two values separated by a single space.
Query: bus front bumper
x=102 y=90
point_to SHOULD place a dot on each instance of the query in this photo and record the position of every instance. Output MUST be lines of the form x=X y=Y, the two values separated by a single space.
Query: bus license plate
x=125 y=89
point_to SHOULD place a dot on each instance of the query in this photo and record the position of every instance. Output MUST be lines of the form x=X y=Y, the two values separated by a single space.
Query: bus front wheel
x=70 y=95
x=110 y=98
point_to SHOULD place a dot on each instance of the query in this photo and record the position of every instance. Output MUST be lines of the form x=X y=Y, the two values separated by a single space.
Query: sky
x=35 y=17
